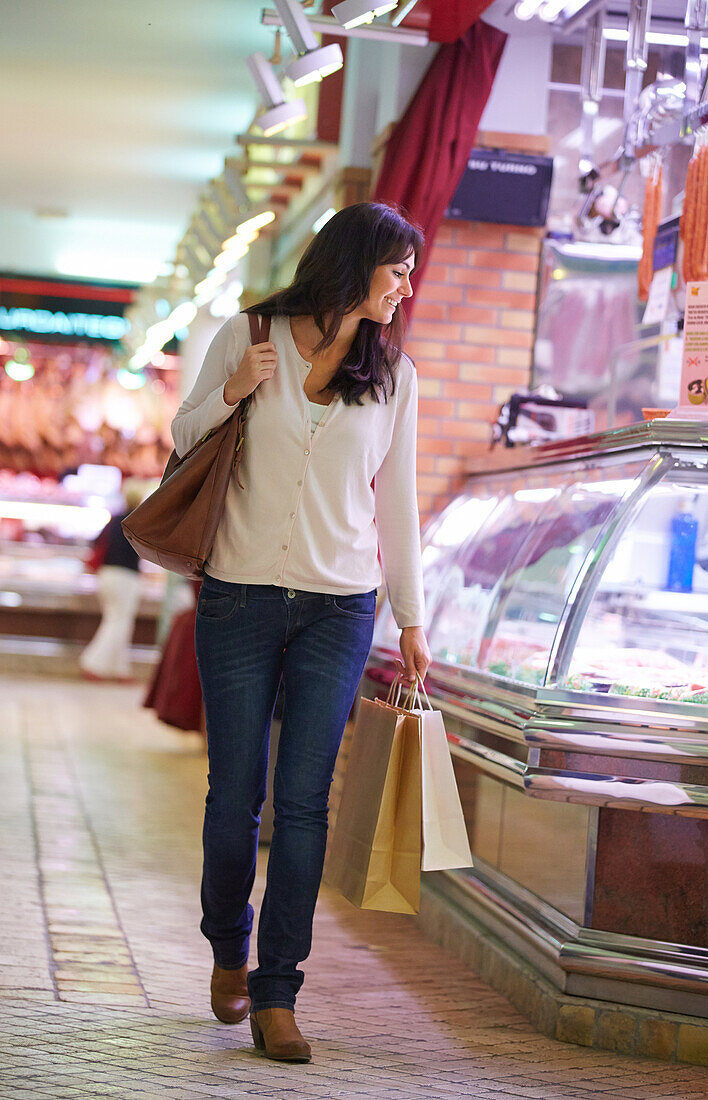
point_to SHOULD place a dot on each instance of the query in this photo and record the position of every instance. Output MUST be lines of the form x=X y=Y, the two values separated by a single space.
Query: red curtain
x=451 y=18
x=428 y=150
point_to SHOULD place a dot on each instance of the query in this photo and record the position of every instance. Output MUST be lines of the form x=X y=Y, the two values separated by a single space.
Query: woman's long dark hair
x=333 y=278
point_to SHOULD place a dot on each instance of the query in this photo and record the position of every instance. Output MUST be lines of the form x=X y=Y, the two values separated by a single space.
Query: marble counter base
x=586 y=1022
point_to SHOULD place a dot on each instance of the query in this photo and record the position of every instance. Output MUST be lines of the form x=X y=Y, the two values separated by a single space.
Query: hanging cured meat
x=694 y=219
x=653 y=204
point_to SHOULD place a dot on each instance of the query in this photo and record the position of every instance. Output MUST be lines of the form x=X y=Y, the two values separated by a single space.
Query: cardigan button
x=307 y=452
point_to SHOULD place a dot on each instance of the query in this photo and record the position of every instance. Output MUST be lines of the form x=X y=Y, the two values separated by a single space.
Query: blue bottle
x=682 y=553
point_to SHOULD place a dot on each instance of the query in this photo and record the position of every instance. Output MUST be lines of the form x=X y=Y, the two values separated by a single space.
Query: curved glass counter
x=558 y=576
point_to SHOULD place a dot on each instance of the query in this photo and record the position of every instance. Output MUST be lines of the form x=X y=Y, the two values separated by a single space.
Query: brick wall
x=471 y=339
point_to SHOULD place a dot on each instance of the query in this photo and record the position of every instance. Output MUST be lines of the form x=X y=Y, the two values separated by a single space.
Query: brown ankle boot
x=274 y=1030
x=230 y=1001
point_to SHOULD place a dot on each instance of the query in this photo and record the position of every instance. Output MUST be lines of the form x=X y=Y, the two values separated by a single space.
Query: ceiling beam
x=327 y=24
x=302 y=145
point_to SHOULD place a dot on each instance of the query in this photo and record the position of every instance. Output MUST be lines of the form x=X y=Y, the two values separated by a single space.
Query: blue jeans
x=248 y=636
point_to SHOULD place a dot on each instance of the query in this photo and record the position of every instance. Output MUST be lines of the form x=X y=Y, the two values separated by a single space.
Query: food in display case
x=559 y=577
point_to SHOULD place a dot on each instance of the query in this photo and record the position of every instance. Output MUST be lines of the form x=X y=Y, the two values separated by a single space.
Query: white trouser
x=108 y=653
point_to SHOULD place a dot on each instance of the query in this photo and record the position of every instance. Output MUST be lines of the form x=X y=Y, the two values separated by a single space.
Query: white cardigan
x=307 y=517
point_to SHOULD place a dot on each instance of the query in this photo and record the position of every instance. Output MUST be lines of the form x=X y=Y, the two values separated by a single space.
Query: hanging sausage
x=653 y=204
x=694 y=219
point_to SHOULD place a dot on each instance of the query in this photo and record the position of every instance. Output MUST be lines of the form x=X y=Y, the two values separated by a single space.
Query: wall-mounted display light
x=313 y=62
x=279 y=113
x=352 y=13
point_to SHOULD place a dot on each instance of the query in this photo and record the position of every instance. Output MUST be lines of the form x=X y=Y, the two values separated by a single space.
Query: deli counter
x=567 y=617
x=46 y=593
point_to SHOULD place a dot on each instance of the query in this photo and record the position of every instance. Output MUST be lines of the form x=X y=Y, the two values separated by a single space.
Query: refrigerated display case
x=567 y=617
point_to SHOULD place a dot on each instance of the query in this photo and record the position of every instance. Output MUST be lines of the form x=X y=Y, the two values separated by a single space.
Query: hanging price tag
x=659 y=293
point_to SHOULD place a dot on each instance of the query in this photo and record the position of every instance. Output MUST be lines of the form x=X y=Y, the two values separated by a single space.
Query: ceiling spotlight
x=526 y=9
x=314 y=62
x=352 y=13
x=551 y=10
x=279 y=114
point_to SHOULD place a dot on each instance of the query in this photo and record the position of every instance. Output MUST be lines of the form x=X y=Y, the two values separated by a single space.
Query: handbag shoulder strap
x=260 y=328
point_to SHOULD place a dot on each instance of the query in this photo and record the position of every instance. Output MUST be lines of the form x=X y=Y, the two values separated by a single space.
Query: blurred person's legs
x=108 y=653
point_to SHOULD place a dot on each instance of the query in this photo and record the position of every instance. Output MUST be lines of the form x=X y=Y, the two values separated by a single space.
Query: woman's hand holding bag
x=415 y=653
x=258 y=364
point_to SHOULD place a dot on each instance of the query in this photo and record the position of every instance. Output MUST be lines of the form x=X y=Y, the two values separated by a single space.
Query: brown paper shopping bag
x=374 y=853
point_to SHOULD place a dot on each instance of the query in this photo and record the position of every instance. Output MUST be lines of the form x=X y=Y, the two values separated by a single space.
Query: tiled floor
x=104 y=975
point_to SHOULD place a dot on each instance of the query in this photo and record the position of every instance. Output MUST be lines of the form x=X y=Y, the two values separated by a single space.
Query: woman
x=290 y=587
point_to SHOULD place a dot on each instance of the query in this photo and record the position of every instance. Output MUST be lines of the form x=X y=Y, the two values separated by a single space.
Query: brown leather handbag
x=175 y=526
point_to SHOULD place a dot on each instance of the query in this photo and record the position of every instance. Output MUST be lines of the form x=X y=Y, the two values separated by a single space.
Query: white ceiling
x=116 y=112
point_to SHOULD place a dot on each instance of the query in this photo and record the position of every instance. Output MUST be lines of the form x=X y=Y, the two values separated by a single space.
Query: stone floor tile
x=106 y=975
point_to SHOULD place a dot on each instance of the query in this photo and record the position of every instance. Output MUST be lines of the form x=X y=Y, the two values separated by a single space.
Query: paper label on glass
x=693 y=393
x=659 y=293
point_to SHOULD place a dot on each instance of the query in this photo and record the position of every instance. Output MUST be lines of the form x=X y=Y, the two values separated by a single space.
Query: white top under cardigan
x=307 y=517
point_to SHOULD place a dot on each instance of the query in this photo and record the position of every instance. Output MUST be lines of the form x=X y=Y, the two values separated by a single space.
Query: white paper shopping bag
x=444 y=834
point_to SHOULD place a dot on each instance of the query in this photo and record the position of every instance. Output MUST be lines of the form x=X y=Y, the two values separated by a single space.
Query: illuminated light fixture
x=227 y=302
x=213 y=280
x=314 y=61
x=162 y=332
x=526 y=9
x=551 y=10
x=209 y=287
x=252 y=225
x=19 y=372
x=654 y=38
x=131 y=380
x=323 y=219
x=279 y=114
x=352 y=13
x=230 y=256
x=235 y=247
x=182 y=316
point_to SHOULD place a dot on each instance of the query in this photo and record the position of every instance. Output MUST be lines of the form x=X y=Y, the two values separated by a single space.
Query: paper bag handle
x=394 y=691
x=413 y=696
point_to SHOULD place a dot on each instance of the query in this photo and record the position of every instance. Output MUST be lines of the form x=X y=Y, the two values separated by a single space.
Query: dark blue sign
x=508 y=188
x=666 y=244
